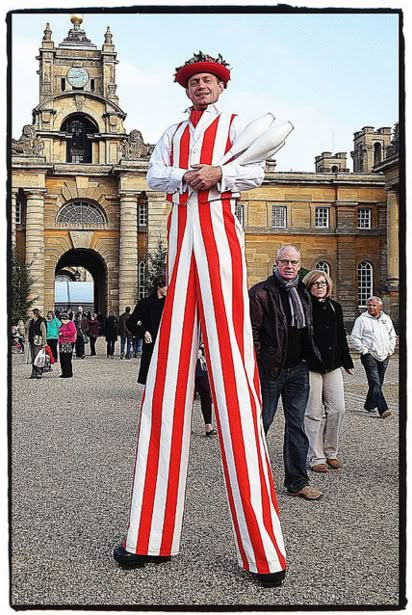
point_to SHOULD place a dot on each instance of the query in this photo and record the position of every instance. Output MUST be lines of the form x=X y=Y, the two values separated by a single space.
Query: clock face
x=77 y=77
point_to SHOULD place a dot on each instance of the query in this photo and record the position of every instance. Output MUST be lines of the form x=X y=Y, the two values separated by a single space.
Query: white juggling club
x=265 y=146
x=251 y=132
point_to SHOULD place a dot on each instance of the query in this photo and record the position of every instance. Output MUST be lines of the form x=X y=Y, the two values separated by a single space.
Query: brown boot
x=319 y=467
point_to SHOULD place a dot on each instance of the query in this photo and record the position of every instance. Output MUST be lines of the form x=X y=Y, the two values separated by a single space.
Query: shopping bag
x=40 y=359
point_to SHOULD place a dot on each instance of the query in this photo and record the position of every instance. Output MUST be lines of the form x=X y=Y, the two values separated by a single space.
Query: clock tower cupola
x=78 y=117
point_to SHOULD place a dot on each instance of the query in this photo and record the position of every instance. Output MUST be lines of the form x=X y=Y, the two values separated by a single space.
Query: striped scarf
x=298 y=319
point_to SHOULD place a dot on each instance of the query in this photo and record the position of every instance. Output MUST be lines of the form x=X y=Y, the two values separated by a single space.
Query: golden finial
x=76 y=20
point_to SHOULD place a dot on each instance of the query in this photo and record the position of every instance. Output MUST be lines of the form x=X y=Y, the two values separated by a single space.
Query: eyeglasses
x=319 y=284
x=286 y=261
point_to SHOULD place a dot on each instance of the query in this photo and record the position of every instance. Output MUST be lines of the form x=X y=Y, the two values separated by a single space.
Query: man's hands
x=203 y=177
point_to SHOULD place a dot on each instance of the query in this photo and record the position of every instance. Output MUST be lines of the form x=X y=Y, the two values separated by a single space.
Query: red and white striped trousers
x=207 y=293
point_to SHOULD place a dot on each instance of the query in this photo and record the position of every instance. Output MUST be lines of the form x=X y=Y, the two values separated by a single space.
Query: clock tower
x=78 y=118
x=79 y=191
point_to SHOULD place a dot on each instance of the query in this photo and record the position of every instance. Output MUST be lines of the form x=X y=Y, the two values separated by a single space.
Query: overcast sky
x=329 y=74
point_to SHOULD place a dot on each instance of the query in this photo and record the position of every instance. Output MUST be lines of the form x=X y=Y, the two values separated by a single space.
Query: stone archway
x=95 y=264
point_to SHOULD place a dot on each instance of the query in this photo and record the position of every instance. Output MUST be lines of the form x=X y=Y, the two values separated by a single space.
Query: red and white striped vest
x=207 y=149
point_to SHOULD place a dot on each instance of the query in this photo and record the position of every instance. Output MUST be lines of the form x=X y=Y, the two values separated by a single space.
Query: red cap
x=202 y=63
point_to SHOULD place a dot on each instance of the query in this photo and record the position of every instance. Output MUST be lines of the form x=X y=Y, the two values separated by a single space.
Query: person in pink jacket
x=67 y=338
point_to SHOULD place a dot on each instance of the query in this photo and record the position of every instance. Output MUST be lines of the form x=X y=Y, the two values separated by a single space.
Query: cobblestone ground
x=72 y=455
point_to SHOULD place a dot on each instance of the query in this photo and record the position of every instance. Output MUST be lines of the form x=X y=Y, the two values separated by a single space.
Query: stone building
x=78 y=180
x=79 y=196
x=369 y=148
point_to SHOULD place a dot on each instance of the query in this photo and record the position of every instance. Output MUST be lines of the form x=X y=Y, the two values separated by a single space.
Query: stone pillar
x=35 y=245
x=13 y=219
x=392 y=236
x=128 y=253
x=158 y=209
x=391 y=296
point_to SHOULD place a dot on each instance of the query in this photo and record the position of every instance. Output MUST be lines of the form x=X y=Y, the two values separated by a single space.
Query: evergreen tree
x=156 y=264
x=21 y=283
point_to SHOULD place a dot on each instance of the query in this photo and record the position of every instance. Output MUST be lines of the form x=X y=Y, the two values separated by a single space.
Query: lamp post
x=68 y=292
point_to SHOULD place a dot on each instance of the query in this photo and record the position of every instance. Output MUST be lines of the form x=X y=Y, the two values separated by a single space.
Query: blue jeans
x=375 y=373
x=293 y=385
x=137 y=344
x=123 y=339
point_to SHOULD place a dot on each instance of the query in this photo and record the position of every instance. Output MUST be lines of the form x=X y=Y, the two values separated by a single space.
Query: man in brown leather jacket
x=281 y=316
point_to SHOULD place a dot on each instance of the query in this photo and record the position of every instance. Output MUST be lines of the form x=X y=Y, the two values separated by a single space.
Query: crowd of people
x=64 y=334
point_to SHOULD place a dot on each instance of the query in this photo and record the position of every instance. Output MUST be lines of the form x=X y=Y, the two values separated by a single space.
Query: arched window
x=334 y=169
x=81 y=212
x=323 y=266
x=365 y=282
x=78 y=129
x=142 y=279
x=377 y=153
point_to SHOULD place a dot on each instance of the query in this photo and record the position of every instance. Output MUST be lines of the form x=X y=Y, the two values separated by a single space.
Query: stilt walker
x=207 y=296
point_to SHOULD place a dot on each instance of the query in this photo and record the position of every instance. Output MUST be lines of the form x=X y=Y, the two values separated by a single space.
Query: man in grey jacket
x=374 y=337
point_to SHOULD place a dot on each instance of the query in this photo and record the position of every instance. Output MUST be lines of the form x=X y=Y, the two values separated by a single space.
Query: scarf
x=195 y=116
x=298 y=319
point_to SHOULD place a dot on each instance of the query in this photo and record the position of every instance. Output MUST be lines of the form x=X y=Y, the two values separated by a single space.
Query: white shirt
x=374 y=335
x=235 y=177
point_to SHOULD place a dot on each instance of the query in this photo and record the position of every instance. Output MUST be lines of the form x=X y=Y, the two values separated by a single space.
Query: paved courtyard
x=72 y=451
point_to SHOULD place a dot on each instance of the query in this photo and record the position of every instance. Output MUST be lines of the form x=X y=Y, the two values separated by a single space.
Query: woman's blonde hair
x=314 y=275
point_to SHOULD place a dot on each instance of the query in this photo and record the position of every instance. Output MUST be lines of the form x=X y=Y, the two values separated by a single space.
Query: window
x=142 y=279
x=364 y=218
x=377 y=153
x=279 y=216
x=81 y=212
x=92 y=85
x=239 y=213
x=18 y=212
x=323 y=266
x=78 y=131
x=63 y=84
x=365 y=282
x=142 y=214
x=322 y=217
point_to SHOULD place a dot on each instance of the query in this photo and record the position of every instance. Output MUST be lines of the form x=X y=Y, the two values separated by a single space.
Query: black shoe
x=62 y=376
x=210 y=433
x=273 y=579
x=130 y=560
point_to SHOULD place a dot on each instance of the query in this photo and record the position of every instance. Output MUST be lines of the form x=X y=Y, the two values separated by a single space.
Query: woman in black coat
x=145 y=322
x=111 y=334
x=326 y=404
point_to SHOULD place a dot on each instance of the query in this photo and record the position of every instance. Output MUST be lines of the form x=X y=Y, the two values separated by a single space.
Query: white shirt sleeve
x=356 y=337
x=392 y=336
x=161 y=175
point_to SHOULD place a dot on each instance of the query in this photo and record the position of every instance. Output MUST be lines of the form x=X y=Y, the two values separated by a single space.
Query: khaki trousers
x=324 y=415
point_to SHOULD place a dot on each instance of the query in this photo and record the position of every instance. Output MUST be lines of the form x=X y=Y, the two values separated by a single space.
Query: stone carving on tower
x=29 y=143
x=134 y=148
